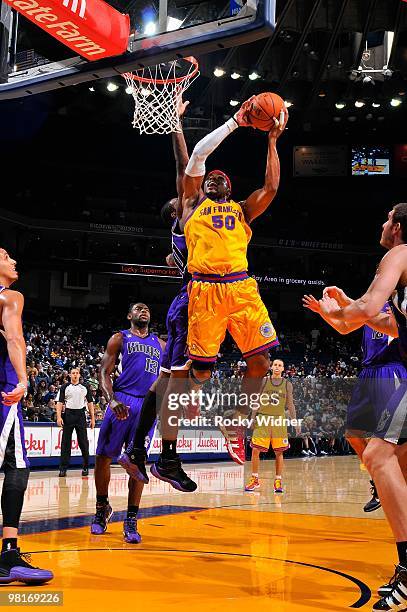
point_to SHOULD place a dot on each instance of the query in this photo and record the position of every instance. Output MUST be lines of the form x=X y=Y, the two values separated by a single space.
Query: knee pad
x=12 y=497
x=16 y=479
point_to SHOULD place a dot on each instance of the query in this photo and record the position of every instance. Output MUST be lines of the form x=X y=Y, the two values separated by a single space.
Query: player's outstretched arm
x=261 y=199
x=366 y=308
x=181 y=156
x=13 y=303
x=107 y=365
x=384 y=322
x=196 y=169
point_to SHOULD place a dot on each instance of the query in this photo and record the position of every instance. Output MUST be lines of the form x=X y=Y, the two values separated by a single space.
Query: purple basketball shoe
x=133 y=460
x=102 y=517
x=15 y=567
x=131 y=535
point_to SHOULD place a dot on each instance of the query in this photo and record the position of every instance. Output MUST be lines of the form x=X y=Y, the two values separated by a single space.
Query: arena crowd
x=321 y=366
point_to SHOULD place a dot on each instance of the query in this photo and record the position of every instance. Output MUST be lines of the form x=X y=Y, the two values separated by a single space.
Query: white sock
x=255 y=475
x=280 y=477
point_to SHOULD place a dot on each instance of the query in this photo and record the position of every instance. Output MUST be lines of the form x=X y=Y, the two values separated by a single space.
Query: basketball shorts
x=232 y=303
x=265 y=434
x=175 y=354
x=114 y=433
x=377 y=399
x=12 y=440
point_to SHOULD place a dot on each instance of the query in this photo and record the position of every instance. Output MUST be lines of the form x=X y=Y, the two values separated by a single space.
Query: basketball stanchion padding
x=91 y=28
x=157 y=91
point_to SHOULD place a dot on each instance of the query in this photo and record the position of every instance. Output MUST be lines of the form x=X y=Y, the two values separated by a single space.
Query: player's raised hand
x=308 y=301
x=241 y=117
x=329 y=306
x=337 y=294
x=181 y=106
x=279 y=124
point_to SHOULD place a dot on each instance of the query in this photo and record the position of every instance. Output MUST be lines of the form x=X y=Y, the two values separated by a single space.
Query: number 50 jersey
x=217 y=236
x=139 y=365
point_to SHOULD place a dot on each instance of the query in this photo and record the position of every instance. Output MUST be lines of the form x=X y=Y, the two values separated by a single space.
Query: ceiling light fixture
x=219 y=71
x=254 y=75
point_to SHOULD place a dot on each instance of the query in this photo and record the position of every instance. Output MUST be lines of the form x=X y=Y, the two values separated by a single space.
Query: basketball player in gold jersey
x=221 y=294
x=270 y=428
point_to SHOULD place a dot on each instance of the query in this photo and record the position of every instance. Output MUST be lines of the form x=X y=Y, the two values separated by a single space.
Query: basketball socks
x=255 y=475
x=402 y=552
x=102 y=499
x=169 y=449
x=132 y=512
x=148 y=415
x=8 y=544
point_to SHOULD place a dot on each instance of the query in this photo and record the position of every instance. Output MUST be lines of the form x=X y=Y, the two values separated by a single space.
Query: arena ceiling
x=313 y=60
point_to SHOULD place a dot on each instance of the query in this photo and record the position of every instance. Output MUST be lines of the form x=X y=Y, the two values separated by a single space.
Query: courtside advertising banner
x=46 y=442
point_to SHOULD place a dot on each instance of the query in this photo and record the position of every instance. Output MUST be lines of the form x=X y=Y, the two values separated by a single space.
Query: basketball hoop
x=157 y=92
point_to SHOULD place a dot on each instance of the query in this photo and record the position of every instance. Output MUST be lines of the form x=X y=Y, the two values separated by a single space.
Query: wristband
x=232 y=124
x=22 y=385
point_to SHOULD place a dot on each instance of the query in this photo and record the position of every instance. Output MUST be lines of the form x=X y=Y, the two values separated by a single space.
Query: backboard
x=160 y=30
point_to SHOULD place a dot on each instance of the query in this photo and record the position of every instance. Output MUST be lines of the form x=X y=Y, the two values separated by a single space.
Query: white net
x=157 y=92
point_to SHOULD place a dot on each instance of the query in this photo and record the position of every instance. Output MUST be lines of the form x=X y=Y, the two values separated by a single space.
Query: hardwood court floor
x=311 y=549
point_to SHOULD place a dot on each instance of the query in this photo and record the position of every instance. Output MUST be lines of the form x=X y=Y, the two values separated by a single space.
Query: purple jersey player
x=139 y=355
x=383 y=369
x=175 y=356
x=385 y=455
x=13 y=459
x=175 y=365
x=382 y=372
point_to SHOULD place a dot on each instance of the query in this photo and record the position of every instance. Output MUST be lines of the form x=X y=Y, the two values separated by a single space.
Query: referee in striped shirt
x=75 y=397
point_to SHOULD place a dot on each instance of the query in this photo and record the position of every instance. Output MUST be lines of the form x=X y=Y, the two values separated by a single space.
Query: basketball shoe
x=130 y=533
x=253 y=484
x=385 y=589
x=234 y=437
x=102 y=517
x=169 y=469
x=374 y=503
x=15 y=567
x=133 y=460
x=397 y=598
x=278 y=485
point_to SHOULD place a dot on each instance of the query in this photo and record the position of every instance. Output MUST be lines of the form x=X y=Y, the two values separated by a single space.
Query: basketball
x=264 y=108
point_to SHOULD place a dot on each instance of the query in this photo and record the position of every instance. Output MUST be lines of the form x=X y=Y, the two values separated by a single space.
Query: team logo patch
x=285 y=442
x=267 y=330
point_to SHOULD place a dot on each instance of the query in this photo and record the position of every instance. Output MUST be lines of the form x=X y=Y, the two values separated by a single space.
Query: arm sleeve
x=196 y=164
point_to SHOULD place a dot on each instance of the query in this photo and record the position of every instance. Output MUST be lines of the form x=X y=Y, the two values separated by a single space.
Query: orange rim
x=177 y=80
